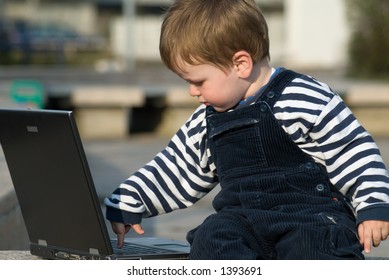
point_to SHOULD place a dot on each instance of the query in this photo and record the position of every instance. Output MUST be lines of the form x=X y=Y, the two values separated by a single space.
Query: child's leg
x=332 y=238
x=225 y=236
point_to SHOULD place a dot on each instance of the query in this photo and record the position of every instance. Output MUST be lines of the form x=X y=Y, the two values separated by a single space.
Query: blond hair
x=211 y=32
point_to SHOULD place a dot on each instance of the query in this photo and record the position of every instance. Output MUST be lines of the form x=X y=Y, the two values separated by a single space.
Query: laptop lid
x=54 y=186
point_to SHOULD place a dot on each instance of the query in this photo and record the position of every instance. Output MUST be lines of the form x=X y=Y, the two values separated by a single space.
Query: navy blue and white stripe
x=316 y=119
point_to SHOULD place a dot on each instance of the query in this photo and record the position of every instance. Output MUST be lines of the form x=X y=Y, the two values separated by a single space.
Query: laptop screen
x=52 y=180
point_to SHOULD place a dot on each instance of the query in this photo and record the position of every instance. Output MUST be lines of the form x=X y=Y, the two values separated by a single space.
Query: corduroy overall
x=275 y=201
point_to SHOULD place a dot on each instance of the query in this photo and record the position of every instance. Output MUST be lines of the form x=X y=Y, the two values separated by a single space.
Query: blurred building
x=303 y=33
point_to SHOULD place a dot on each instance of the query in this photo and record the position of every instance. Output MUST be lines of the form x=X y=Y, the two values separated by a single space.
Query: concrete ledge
x=179 y=97
x=368 y=95
x=25 y=255
x=105 y=112
x=370 y=104
x=17 y=255
x=102 y=96
x=179 y=107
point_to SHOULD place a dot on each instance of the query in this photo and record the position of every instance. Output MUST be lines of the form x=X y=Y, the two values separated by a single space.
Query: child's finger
x=138 y=229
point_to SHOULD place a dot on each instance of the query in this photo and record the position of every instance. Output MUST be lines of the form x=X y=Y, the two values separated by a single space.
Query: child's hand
x=372 y=232
x=121 y=230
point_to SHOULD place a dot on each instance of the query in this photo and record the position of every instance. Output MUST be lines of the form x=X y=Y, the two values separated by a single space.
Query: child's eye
x=198 y=83
x=195 y=83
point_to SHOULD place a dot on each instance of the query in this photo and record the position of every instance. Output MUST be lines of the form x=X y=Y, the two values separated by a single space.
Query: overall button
x=271 y=94
x=320 y=187
x=309 y=165
x=263 y=108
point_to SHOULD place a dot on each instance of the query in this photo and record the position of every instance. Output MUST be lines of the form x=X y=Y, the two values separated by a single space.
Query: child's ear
x=243 y=64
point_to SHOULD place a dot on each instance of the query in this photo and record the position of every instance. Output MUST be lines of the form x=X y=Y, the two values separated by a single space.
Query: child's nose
x=194 y=91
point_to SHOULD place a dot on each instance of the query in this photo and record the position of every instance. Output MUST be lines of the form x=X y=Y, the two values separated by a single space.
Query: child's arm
x=372 y=233
x=324 y=127
x=176 y=178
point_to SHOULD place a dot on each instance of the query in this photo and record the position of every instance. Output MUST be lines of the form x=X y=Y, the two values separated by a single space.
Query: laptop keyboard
x=130 y=248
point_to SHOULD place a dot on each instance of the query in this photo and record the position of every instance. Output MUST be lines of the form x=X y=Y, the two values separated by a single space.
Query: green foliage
x=369 y=42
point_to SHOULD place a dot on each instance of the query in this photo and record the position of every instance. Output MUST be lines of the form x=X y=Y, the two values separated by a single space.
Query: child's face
x=212 y=86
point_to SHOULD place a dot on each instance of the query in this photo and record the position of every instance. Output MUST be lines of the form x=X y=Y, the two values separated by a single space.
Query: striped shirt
x=315 y=118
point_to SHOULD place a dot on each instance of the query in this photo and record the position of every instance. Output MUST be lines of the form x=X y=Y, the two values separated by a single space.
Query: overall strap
x=277 y=85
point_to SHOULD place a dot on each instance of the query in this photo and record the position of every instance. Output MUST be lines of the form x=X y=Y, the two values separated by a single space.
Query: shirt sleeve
x=321 y=124
x=176 y=178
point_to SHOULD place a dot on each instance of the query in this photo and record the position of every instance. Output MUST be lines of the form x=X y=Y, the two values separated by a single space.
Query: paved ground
x=112 y=161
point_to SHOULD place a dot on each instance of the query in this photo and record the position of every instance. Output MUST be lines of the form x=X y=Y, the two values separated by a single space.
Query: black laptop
x=56 y=193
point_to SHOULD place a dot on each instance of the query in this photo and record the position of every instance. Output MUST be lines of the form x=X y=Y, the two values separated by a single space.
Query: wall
x=316 y=33
x=80 y=16
x=145 y=41
x=303 y=33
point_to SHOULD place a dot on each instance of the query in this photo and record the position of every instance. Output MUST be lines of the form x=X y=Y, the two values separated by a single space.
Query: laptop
x=56 y=193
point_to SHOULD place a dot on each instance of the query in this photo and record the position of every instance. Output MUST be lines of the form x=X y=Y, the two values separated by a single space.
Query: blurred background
x=118 y=34
x=70 y=54
x=100 y=58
